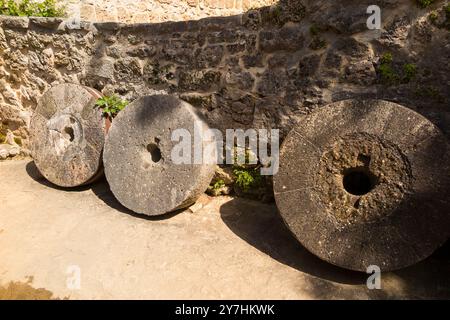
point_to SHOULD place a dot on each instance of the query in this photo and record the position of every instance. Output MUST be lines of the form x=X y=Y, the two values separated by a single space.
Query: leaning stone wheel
x=366 y=183
x=138 y=160
x=67 y=135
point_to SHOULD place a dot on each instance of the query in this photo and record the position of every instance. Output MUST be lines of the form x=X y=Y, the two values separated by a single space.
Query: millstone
x=67 y=135
x=366 y=183
x=138 y=157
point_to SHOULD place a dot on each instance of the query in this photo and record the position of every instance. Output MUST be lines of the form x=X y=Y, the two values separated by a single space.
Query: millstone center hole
x=69 y=131
x=155 y=152
x=358 y=181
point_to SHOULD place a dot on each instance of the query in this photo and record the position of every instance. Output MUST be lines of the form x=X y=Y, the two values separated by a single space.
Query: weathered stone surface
x=67 y=135
x=47 y=23
x=364 y=182
x=262 y=54
x=138 y=156
x=8 y=151
x=14 y=22
x=287 y=39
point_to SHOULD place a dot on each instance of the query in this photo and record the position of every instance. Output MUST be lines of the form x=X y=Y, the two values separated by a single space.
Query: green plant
x=409 y=72
x=387 y=58
x=386 y=71
x=219 y=184
x=424 y=3
x=2 y=138
x=111 y=105
x=216 y=188
x=391 y=75
x=46 y=8
x=247 y=178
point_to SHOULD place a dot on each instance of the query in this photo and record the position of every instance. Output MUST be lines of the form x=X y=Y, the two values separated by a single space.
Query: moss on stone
x=409 y=72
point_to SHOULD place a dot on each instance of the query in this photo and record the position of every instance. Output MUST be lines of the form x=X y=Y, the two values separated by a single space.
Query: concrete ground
x=221 y=248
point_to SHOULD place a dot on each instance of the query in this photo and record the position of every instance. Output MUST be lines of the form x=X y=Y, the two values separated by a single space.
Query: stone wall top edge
x=57 y=24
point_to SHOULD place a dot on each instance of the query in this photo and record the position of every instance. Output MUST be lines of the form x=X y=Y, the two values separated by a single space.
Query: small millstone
x=366 y=183
x=67 y=135
x=138 y=157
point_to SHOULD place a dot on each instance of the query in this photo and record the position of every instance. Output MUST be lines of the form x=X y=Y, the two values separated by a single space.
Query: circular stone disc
x=366 y=183
x=67 y=135
x=138 y=156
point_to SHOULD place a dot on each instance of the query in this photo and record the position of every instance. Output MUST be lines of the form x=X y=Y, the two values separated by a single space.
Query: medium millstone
x=67 y=135
x=366 y=183
x=138 y=157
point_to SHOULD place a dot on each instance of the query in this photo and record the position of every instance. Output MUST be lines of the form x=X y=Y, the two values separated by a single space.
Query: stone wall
x=145 y=11
x=262 y=69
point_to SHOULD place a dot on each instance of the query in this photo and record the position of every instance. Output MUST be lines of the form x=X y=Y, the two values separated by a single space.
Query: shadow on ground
x=262 y=227
x=101 y=189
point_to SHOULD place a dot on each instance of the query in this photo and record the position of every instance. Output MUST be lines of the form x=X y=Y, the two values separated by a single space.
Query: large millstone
x=138 y=156
x=366 y=183
x=67 y=135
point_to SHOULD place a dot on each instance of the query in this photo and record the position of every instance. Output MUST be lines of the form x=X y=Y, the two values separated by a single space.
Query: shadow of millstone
x=100 y=188
x=34 y=173
x=262 y=227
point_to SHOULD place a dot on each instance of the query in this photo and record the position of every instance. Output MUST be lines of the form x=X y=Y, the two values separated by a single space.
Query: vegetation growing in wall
x=429 y=93
x=391 y=75
x=34 y=8
x=424 y=3
x=441 y=18
x=409 y=72
x=111 y=105
x=386 y=71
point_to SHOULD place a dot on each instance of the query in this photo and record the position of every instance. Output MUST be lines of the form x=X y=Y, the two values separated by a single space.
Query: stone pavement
x=221 y=248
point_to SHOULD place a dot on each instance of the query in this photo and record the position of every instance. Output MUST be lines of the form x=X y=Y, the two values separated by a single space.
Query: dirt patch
x=16 y=290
